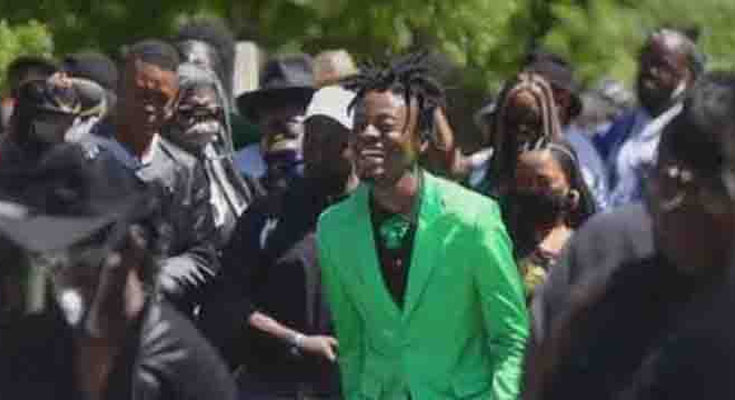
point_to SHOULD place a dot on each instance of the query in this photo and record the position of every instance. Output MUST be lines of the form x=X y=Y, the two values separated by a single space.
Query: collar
x=147 y=156
x=413 y=217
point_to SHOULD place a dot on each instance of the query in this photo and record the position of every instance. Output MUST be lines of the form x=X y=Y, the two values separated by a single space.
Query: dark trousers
x=251 y=387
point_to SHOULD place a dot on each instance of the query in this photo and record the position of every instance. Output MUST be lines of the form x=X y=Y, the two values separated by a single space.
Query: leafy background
x=481 y=41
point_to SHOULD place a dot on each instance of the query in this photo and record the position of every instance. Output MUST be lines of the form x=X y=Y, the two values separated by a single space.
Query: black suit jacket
x=191 y=263
x=185 y=225
x=271 y=266
x=628 y=325
x=164 y=358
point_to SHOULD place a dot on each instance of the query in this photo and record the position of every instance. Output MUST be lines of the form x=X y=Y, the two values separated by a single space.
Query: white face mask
x=679 y=91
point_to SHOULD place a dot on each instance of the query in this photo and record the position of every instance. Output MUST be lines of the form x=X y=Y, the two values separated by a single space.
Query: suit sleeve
x=347 y=322
x=503 y=306
x=224 y=317
x=185 y=276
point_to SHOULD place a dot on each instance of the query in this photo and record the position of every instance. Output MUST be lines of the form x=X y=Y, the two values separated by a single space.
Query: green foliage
x=31 y=38
x=602 y=37
x=484 y=38
x=478 y=35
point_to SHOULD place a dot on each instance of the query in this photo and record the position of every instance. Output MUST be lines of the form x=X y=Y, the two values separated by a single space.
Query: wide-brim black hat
x=285 y=79
x=73 y=193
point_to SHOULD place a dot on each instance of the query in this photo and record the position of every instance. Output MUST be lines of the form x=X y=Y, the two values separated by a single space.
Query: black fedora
x=73 y=193
x=285 y=79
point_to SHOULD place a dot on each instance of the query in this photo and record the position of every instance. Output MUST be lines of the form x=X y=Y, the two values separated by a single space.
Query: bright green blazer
x=463 y=327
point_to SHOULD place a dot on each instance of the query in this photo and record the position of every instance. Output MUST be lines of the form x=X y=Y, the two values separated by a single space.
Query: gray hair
x=194 y=75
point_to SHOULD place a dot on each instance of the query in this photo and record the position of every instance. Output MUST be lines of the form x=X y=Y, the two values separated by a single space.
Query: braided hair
x=506 y=147
x=407 y=76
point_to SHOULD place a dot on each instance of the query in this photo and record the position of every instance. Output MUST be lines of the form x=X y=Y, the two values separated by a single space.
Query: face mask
x=540 y=207
x=680 y=88
x=530 y=210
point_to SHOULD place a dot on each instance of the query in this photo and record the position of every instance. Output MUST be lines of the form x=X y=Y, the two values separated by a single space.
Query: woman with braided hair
x=419 y=274
x=536 y=177
x=526 y=119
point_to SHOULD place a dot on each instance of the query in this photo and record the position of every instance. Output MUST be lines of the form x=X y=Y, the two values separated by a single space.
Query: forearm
x=183 y=278
x=272 y=327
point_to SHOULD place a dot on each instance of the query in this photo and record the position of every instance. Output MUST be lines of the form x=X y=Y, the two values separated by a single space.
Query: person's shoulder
x=177 y=154
x=343 y=211
x=107 y=148
x=625 y=232
x=626 y=220
x=619 y=125
x=463 y=203
x=627 y=117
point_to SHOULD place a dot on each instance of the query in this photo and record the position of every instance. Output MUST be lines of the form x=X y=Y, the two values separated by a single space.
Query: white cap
x=332 y=102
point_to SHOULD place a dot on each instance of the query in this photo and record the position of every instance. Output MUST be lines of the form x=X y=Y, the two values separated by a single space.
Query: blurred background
x=477 y=43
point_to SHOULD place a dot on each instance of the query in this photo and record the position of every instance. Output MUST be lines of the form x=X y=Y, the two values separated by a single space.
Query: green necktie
x=393 y=231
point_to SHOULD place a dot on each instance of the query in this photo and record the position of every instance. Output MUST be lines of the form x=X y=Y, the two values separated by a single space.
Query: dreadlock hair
x=407 y=76
x=215 y=33
x=506 y=147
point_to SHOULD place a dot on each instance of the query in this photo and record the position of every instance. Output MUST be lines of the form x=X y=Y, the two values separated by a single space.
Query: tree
x=603 y=37
x=31 y=38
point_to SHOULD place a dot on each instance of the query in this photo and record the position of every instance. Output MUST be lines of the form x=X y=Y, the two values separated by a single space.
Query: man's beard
x=656 y=100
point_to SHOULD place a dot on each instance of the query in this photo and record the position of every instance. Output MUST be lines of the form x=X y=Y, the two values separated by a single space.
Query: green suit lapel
x=423 y=256
x=427 y=242
x=367 y=257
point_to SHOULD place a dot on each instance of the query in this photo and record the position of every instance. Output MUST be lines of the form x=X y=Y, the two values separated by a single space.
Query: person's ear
x=573 y=198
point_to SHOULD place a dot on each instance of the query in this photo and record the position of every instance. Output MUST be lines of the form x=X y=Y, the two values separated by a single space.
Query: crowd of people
x=325 y=237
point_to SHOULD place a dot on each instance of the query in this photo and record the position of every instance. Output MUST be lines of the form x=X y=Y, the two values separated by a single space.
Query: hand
x=116 y=301
x=326 y=346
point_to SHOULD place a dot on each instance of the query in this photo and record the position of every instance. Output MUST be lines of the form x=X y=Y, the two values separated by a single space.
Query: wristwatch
x=295 y=341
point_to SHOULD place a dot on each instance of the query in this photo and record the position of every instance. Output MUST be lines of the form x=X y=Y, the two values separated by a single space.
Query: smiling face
x=386 y=142
x=148 y=95
x=197 y=117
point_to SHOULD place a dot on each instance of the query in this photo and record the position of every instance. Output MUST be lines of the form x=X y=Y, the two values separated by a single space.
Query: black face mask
x=527 y=210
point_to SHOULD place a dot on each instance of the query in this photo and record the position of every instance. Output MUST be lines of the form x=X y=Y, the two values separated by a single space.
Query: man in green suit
x=426 y=299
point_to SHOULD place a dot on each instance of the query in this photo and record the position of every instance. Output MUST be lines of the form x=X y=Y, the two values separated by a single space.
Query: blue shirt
x=632 y=144
x=593 y=169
